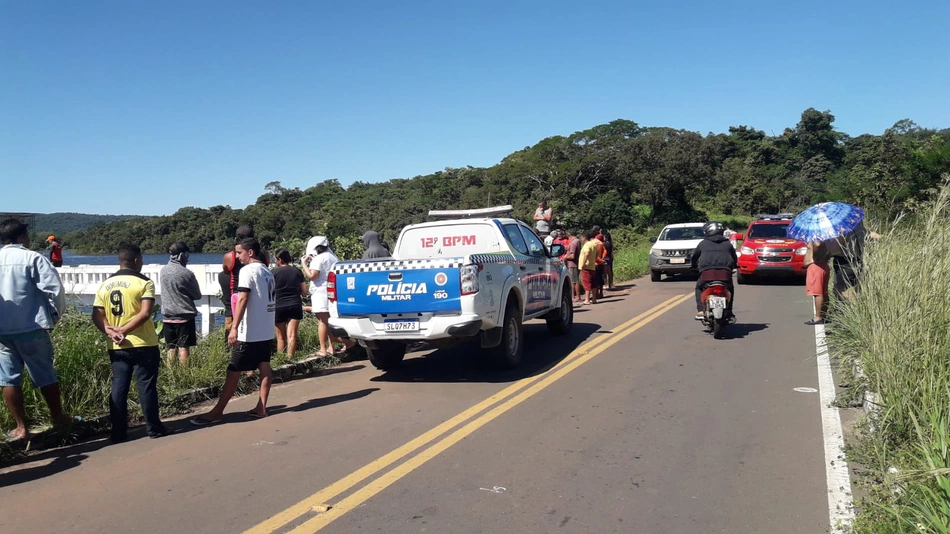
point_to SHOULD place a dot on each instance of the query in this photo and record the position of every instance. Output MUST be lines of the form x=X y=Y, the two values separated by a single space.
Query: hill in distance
x=66 y=222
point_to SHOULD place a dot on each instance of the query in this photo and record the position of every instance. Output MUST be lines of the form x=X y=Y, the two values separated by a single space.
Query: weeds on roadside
x=631 y=261
x=897 y=326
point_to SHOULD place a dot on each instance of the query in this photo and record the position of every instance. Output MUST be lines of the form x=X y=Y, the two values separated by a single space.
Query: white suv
x=672 y=251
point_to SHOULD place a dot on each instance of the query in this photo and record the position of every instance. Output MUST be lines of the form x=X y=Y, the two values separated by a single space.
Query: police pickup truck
x=467 y=274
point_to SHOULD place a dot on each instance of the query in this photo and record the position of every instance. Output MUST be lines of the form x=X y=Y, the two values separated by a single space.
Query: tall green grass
x=82 y=364
x=897 y=326
x=632 y=262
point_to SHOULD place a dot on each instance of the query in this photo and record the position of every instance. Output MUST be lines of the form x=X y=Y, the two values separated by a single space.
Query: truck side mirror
x=652 y=240
x=737 y=236
x=557 y=250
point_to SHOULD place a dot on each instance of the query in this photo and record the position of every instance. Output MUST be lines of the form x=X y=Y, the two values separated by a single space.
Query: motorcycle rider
x=715 y=258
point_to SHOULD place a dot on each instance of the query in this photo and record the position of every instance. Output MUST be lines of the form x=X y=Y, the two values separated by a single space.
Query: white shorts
x=319 y=302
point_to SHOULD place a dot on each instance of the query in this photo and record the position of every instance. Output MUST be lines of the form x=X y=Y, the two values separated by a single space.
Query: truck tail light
x=331 y=286
x=468 y=279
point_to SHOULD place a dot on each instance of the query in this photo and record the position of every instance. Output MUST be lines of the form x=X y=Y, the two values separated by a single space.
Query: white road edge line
x=840 y=505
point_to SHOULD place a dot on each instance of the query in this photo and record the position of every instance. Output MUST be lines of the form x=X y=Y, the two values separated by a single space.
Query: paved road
x=639 y=422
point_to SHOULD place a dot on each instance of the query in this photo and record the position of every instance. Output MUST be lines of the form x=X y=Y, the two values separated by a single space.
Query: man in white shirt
x=252 y=331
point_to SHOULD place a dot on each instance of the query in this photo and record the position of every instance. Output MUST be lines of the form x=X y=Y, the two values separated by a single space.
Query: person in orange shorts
x=817 y=276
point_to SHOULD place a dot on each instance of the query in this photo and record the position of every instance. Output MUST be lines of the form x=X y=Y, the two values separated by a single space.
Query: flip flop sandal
x=11 y=437
x=198 y=421
x=254 y=415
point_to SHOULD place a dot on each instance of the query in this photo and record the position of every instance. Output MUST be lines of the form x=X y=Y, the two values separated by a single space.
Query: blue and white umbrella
x=827 y=220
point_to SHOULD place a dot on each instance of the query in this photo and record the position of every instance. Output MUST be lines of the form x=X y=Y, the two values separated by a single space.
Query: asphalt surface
x=652 y=427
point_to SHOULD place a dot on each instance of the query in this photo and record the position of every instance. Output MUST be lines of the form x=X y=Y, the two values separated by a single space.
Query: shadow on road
x=741 y=330
x=319 y=372
x=321 y=402
x=21 y=470
x=621 y=287
x=88 y=439
x=680 y=277
x=182 y=426
x=467 y=362
x=13 y=475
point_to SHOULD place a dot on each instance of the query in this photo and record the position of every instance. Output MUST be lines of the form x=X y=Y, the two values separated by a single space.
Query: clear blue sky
x=145 y=107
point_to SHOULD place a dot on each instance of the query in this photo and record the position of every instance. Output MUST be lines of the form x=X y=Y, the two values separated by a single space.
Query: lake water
x=70 y=258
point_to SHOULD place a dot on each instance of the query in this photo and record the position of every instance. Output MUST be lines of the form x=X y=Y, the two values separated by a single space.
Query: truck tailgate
x=398 y=286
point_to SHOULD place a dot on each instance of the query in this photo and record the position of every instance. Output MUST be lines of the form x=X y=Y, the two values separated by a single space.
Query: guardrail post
x=206 y=318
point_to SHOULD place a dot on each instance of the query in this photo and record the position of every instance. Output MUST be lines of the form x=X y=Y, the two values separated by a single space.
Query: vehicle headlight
x=747 y=250
x=656 y=251
x=801 y=251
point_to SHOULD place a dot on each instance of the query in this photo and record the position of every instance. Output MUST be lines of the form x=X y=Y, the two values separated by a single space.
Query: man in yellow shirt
x=588 y=264
x=123 y=312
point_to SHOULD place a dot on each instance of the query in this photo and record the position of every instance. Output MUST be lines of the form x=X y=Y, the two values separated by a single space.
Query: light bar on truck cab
x=469 y=214
x=778 y=217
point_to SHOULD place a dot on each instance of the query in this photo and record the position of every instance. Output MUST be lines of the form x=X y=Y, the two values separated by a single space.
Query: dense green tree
x=618 y=174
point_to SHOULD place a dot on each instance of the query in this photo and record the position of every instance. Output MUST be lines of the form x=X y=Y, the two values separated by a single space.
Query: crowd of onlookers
x=262 y=304
x=589 y=255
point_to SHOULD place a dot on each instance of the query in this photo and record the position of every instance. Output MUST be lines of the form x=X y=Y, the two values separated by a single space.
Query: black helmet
x=713 y=228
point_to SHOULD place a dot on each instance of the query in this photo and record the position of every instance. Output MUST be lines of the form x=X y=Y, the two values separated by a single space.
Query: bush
x=898 y=327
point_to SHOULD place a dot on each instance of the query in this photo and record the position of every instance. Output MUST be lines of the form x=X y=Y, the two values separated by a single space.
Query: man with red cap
x=55 y=251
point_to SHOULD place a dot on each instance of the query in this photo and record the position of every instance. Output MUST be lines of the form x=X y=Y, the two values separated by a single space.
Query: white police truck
x=466 y=274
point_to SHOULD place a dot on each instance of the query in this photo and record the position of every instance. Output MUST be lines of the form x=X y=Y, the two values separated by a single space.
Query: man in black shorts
x=252 y=331
x=180 y=290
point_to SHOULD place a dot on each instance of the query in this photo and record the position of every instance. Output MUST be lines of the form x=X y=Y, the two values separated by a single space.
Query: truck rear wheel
x=561 y=325
x=387 y=354
x=508 y=353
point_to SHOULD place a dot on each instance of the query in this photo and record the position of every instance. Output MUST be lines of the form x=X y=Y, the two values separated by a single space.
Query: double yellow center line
x=515 y=394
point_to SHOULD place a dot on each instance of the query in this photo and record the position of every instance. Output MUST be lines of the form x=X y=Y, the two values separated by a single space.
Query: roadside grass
x=897 y=327
x=631 y=262
x=82 y=365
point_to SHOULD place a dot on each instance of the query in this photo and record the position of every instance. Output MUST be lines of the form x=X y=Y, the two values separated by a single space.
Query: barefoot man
x=32 y=300
x=252 y=331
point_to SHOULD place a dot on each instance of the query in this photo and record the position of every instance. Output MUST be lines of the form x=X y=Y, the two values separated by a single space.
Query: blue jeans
x=144 y=363
x=33 y=349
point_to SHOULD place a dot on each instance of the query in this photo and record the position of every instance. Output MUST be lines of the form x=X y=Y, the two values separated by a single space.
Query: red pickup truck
x=767 y=251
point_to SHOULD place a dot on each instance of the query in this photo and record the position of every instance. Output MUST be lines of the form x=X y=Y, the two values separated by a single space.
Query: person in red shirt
x=561 y=239
x=232 y=266
x=55 y=251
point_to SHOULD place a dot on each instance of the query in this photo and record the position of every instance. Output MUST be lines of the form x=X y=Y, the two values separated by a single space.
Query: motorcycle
x=714 y=299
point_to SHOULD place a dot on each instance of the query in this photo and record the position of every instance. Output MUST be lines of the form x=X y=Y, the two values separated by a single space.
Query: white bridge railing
x=82 y=281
